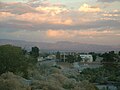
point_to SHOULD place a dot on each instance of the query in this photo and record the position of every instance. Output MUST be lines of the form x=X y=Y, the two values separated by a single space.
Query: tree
x=78 y=59
x=110 y=60
x=93 y=55
x=58 y=55
x=24 y=51
x=109 y=57
x=34 y=52
x=119 y=53
x=12 y=59
x=70 y=58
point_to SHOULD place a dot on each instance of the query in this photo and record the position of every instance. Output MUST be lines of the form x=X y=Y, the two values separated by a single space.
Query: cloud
x=113 y=15
x=36 y=22
x=76 y=33
x=108 y=0
x=33 y=1
x=6 y=16
x=24 y=35
x=88 y=8
x=52 y=10
x=58 y=17
x=16 y=8
x=58 y=34
x=85 y=36
x=44 y=18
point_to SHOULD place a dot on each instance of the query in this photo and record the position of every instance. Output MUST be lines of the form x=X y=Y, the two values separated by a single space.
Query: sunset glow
x=95 y=21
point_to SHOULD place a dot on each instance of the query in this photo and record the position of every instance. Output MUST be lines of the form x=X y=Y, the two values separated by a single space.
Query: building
x=63 y=55
x=86 y=58
x=50 y=57
x=39 y=59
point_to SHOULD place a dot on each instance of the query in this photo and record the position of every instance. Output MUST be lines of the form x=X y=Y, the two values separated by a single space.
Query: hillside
x=61 y=46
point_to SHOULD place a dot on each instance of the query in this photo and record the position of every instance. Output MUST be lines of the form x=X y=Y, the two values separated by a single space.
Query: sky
x=84 y=21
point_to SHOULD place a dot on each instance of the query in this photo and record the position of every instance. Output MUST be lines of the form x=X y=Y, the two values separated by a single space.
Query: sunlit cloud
x=53 y=10
x=78 y=33
x=5 y=16
x=60 y=21
x=59 y=34
x=88 y=8
x=108 y=0
x=115 y=14
x=16 y=8
x=43 y=18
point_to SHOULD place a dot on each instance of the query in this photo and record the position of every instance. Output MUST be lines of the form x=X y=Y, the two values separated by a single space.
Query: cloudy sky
x=85 y=21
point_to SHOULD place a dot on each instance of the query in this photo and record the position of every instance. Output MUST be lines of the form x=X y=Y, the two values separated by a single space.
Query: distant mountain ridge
x=61 y=46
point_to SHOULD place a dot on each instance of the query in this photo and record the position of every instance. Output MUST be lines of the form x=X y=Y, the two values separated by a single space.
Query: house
x=39 y=59
x=86 y=58
x=63 y=55
x=50 y=57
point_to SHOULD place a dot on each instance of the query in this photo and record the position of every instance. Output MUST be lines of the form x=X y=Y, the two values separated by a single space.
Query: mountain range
x=61 y=46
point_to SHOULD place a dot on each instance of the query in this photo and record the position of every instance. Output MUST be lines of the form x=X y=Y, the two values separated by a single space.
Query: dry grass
x=54 y=80
x=9 y=81
x=46 y=85
x=65 y=64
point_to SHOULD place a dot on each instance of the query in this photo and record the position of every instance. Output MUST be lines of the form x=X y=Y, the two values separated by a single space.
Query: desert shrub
x=9 y=81
x=61 y=78
x=57 y=66
x=44 y=69
x=53 y=81
x=84 y=85
x=45 y=85
x=35 y=74
x=71 y=74
x=62 y=81
x=55 y=70
x=78 y=88
x=69 y=84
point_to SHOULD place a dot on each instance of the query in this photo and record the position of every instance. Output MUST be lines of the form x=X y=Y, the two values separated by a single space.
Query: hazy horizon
x=88 y=22
x=74 y=42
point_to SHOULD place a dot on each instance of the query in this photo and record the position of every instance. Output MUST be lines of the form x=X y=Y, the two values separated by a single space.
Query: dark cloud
x=15 y=25
x=108 y=0
x=21 y=8
x=97 y=25
x=103 y=24
x=16 y=8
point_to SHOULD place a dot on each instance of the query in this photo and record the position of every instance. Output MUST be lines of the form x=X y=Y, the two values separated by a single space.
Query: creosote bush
x=9 y=81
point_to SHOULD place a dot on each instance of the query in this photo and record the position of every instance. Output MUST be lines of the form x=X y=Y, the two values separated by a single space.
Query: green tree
x=94 y=55
x=110 y=60
x=34 y=52
x=78 y=58
x=71 y=58
x=119 y=53
x=24 y=51
x=58 y=55
x=12 y=59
